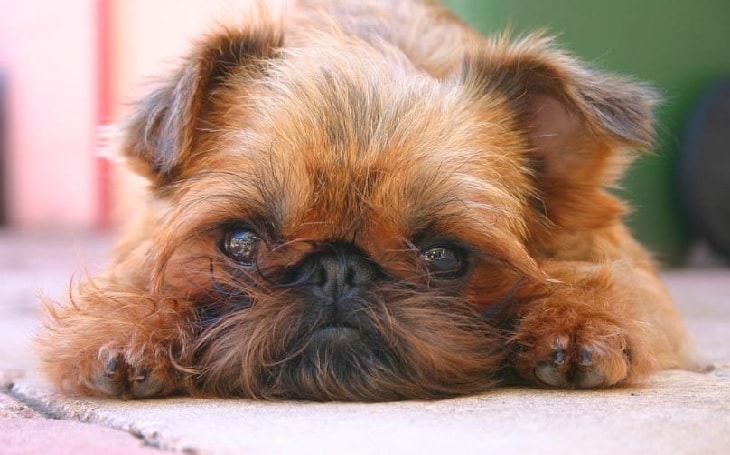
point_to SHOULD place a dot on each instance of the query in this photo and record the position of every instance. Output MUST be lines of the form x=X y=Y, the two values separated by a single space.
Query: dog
x=366 y=200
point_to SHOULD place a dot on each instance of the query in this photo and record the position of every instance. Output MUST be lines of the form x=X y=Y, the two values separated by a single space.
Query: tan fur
x=369 y=132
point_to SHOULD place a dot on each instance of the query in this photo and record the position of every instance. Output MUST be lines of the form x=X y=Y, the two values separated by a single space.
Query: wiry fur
x=373 y=129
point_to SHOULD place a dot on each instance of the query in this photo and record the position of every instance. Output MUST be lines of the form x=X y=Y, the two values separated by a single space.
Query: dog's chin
x=340 y=362
x=342 y=353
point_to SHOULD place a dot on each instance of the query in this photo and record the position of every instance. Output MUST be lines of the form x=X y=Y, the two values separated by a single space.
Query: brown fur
x=361 y=134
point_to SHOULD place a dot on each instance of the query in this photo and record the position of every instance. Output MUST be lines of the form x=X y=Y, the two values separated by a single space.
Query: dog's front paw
x=583 y=353
x=126 y=373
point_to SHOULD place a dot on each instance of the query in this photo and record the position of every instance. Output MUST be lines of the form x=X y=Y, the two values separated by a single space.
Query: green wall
x=679 y=46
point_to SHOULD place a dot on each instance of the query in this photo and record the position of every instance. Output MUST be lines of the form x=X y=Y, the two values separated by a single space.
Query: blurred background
x=68 y=67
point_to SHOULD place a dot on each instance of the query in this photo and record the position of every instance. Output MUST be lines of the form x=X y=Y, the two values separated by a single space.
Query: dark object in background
x=704 y=173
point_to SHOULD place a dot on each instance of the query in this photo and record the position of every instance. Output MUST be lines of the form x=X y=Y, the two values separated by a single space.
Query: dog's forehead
x=356 y=145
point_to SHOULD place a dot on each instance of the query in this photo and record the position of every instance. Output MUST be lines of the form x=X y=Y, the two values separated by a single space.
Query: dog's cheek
x=239 y=354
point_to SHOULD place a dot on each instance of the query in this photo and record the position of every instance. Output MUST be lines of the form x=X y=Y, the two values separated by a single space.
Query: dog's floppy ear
x=579 y=122
x=159 y=136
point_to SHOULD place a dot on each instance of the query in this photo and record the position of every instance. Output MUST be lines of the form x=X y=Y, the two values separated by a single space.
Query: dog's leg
x=568 y=342
x=112 y=339
x=604 y=325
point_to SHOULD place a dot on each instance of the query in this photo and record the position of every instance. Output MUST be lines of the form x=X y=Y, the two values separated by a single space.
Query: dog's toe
x=109 y=377
x=587 y=374
x=144 y=384
x=552 y=372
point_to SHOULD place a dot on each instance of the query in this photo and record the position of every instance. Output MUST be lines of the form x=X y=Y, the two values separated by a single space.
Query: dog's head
x=347 y=226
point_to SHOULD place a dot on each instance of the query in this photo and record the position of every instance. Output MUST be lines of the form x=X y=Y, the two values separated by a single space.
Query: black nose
x=339 y=272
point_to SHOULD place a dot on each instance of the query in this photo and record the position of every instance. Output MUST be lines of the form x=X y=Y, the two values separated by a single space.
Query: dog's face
x=344 y=225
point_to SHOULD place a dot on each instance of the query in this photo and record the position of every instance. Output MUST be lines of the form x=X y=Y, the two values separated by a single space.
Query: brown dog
x=365 y=200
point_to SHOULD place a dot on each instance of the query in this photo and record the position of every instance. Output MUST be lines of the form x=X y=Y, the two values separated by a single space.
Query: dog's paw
x=594 y=353
x=127 y=374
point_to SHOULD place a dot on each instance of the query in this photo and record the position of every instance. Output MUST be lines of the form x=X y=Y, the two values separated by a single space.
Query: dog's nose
x=336 y=274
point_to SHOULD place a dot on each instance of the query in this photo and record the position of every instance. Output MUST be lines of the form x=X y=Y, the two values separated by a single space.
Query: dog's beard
x=394 y=342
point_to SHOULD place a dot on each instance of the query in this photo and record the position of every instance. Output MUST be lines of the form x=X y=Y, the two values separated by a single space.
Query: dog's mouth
x=342 y=339
x=336 y=336
x=364 y=350
x=336 y=331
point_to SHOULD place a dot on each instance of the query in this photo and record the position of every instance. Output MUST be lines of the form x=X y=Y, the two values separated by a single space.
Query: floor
x=674 y=412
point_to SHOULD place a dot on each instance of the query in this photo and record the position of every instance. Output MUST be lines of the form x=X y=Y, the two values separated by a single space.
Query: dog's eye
x=241 y=245
x=443 y=261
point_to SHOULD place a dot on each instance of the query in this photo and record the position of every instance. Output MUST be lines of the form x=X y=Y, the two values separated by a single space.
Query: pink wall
x=149 y=37
x=47 y=51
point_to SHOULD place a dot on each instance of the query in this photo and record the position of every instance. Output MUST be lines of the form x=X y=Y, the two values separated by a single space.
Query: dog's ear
x=580 y=123
x=160 y=135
